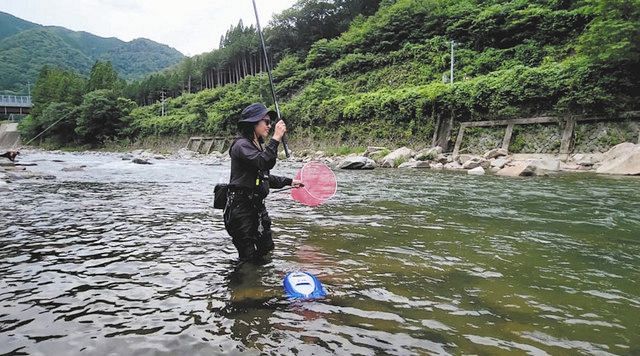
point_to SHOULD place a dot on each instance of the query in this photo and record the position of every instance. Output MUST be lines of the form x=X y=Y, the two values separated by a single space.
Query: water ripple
x=128 y=259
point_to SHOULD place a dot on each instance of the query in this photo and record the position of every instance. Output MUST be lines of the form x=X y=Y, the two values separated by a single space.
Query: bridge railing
x=15 y=101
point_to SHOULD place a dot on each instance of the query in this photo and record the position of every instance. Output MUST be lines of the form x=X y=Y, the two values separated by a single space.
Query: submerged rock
x=73 y=168
x=140 y=161
x=357 y=163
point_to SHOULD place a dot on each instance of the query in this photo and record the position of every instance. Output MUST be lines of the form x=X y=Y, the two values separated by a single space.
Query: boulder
x=428 y=154
x=516 y=169
x=444 y=158
x=436 y=165
x=626 y=161
x=415 y=164
x=495 y=153
x=373 y=149
x=392 y=159
x=29 y=175
x=140 y=161
x=452 y=166
x=569 y=166
x=476 y=162
x=357 y=163
x=73 y=168
x=463 y=158
x=500 y=162
x=586 y=159
x=546 y=164
x=14 y=168
x=618 y=150
x=478 y=171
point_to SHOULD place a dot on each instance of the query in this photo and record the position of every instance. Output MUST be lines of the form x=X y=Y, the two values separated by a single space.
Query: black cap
x=256 y=112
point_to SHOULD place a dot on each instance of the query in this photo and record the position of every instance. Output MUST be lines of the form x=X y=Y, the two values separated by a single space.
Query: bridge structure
x=14 y=104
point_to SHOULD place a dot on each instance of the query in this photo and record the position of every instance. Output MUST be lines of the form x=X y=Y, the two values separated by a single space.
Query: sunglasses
x=267 y=122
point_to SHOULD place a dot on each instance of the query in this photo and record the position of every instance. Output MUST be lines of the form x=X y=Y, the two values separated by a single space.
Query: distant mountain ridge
x=26 y=46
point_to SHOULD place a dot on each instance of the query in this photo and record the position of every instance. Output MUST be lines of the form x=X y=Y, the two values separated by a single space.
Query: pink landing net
x=319 y=184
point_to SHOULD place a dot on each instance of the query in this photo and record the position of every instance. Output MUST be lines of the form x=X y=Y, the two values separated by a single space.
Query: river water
x=122 y=258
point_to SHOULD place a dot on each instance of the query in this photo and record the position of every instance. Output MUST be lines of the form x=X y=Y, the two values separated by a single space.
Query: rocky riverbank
x=622 y=159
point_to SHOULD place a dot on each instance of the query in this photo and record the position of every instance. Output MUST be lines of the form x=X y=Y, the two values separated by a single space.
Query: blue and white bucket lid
x=303 y=285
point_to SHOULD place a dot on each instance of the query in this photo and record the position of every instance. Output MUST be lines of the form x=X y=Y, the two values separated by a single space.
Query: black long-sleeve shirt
x=250 y=167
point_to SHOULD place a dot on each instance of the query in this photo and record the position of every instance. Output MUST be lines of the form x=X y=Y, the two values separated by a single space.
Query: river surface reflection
x=122 y=258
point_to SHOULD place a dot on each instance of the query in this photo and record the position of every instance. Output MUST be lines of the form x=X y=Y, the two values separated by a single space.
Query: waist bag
x=220 y=196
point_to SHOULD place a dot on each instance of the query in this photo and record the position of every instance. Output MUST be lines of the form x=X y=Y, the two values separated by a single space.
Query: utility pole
x=29 y=89
x=162 y=101
x=451 y=75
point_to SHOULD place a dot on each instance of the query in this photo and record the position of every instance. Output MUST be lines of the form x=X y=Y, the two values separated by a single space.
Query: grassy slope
x=382 y=79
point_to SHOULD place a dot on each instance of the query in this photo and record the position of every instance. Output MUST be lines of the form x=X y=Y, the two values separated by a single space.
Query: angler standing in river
x=245 y=216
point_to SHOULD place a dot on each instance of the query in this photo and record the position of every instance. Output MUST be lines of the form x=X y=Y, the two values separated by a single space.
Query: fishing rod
x=36 y=136
x=273 y=90
x=47 y=129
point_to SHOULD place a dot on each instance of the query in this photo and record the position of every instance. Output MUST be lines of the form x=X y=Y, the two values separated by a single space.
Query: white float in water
x=303 y=285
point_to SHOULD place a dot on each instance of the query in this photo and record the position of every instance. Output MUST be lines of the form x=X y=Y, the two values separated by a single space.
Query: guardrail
x=15 y=101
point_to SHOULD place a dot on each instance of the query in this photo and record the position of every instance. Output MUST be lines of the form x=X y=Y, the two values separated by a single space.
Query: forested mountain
x=386 y=76
x=25 y=47
x=10 y=25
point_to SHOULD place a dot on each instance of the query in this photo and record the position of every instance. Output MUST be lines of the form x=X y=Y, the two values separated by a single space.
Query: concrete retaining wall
x=9 y=135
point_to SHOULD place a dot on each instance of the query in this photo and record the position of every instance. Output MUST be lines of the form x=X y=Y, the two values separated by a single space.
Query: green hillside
x=10 y=25
x=385 y=77
x=25 y=47
x=91 y=45
x=23 y=55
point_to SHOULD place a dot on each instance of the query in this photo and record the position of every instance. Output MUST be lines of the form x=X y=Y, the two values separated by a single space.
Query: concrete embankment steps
x=9 y=135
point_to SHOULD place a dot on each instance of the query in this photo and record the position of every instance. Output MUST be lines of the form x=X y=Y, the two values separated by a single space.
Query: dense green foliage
x=294 y=30
x=71 y=109
x=26 y=47
x=383 y=77
x=240 y=55
x=386 y=77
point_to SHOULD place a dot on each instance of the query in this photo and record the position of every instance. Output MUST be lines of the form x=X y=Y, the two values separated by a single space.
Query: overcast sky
x=190 y=26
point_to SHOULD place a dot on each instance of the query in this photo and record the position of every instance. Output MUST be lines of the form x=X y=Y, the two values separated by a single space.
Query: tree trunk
x=244 y=66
